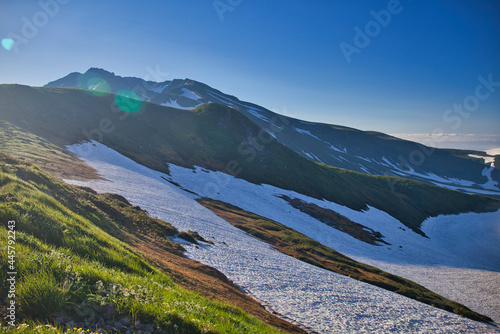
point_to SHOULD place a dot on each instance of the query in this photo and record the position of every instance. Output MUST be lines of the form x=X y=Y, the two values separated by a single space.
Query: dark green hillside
x=75 y=253
x=369 y=151
x=217 y=137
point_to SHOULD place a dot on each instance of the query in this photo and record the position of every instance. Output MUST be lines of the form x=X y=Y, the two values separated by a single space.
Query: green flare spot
x=8 y=43
x=127 y=101
x=94 y=83
x=99 y=86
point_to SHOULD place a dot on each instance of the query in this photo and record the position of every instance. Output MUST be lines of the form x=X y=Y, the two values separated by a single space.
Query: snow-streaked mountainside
x=460 y=259
x=321 y=300
x=365 y=152
x=219 y=138
x=391 y=222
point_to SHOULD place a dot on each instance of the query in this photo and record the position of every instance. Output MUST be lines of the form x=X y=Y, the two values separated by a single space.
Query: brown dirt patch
x=207 y=281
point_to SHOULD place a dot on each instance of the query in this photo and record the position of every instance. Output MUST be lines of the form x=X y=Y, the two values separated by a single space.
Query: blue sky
x=420 y=60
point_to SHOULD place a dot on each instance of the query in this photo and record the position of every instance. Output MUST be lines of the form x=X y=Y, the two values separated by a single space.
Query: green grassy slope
x=219 y=138
x=68 y=261
x=337 y=221
x=52 y=158
x=293 y=243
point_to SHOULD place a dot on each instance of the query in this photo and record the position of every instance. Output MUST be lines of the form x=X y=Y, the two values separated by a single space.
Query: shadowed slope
x=219 y=138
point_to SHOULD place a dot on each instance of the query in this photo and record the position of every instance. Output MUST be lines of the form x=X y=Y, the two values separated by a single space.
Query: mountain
x=204 y=167
x=218 y=137
x=362 y=151
x=181 y=94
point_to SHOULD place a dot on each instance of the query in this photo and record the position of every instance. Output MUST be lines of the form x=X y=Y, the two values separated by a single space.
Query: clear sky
x=392 y=66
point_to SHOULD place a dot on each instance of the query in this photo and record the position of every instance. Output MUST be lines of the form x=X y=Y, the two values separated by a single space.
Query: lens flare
x=97 y=85
x=127 y=101
x=7 y=43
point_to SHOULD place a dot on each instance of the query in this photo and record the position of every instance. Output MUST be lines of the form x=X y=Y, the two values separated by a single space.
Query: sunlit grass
x=67 y=263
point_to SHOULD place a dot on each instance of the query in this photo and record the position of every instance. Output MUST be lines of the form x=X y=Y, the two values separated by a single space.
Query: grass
x=42 y=294
x=337 y=221
x=33 y=327
x=68 y=260
x=212 y=136
x=52 y=158
x=297 y=245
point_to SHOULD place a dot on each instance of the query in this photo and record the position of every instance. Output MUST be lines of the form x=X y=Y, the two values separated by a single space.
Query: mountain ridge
x=217 y=137
x=368 y=152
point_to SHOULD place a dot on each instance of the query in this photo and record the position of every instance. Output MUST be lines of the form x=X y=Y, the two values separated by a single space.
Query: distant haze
x=479 y=142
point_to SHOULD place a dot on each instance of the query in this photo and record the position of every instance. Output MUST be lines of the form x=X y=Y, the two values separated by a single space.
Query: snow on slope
x=488 y=159
x=490 y=184
x=341 y=149
x=463 y=248
x=174 y=104
x=252 y=110
x=159 y=88
x=324 y=301
x=493 y=151
x=190 y=94
x=453 y=183
x=306 y=132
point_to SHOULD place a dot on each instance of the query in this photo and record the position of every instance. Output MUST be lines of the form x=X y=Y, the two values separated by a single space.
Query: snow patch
x=387 y=163
x=317 y=298
x=450 y=183
x=174 y=104
x=306 y=132
x=190 y=94
x=456 y=184
x=144 y=96
x=235 y=104
x=338 y=148
x=95 y=86
x=221 y=98
x=308 y=155
x=257 y=114
x=159 y=88
x=317 y=159
x=487 y=159
x=364 y=169
x=493 y=151
x=490 y=184
x=468 y=190
x=363 y=158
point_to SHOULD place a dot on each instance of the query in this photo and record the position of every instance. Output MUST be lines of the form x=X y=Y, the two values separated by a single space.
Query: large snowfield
x=460 y=259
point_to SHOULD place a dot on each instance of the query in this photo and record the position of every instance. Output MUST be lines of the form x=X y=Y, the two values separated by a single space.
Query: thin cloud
x=466 y=141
